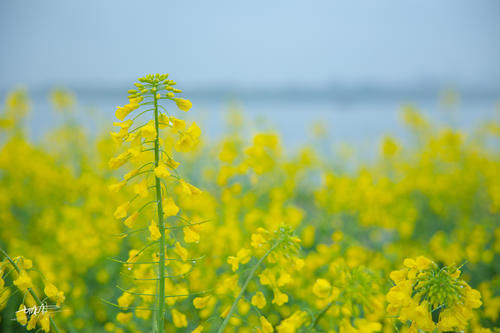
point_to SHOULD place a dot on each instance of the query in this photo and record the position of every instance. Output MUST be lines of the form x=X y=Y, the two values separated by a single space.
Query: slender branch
x=125 y=233
x=128 y=307
x=140 y=173
x=245 y=285
x=143 y=112
x=145 y=205
x=135 y=129
x=321 y=314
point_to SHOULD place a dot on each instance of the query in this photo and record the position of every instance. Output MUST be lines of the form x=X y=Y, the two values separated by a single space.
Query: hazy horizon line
x=418 y=90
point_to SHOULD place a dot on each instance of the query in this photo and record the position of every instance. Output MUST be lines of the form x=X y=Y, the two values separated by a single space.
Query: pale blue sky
x=248 y=43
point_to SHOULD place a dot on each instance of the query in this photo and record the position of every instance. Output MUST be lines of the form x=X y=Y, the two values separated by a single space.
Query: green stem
x=244 y=287
x=161 y=226
x=321 y=314
x=31 y=291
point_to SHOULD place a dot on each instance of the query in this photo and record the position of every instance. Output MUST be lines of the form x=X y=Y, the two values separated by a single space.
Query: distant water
x=358 y=124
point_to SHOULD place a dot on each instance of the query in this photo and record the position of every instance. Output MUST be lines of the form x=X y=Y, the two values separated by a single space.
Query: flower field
x=152 y=228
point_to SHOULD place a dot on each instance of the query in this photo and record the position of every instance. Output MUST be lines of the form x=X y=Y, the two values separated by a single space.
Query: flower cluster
x=32 y=312
x=431 y=297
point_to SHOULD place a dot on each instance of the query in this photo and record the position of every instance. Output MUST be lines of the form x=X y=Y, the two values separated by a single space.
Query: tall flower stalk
x=161 y=268
x=145 y=139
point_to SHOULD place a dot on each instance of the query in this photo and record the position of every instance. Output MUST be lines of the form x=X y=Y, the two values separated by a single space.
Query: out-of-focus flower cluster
x=431 y=297
x=304 y=241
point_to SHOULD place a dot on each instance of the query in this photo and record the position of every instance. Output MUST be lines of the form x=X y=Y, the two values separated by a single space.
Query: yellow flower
x=116 y=187
x=119 y=160
x=198 y=329
x=337 y=236
x=447 y=320
x=284 y=279
x=183 y=104
x=172 y=164
x=366 y=326
x=299 y=263
x=179 y=319
x=109 y=327
x=423 y=317
x=60 y=298
x=123 y=317
x=390 y=147
x=188 y=189
x=242 y=257
x=148 y=131
x=292 y=323
x=163 y=120
x=423 y=263
x=191 y=236
x=410 y=263
x=258 y=240
x=141 y=189
x=161 y=171
x=50 y=290
x=279 y=297
x=201 y=302
x=169 y=207
x=24 y=263
x=267 y=278
x=178 y=124
x=32 y=322
x=266 y=325
x=154 y=231
x=234 y=262
x=181 y=251
x=322 y=288
x=189 y=139
x=400 y=294
x=194 y=131
x=122 y=112
x=186 y=143
x=23 y=282
x=121 y=211
x=21 y=315
x=130 y=174
x=45 y=322
x=118 y=137
x=125 y=300
x=133 y=255
x=398 y=276
x=259 y=300
x=472 y=298
x=125 y=125
x=18 y=102
x=143 y=314
x=130 y=221
x=62 y=99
